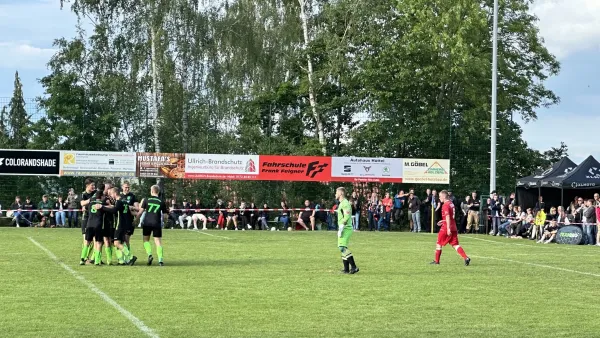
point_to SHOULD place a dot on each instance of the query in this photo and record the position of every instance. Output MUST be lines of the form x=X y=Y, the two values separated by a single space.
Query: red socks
x=461 y=252
x=438 y=254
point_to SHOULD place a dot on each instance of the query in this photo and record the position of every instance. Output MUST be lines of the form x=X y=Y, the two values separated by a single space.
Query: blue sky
x=571 y=29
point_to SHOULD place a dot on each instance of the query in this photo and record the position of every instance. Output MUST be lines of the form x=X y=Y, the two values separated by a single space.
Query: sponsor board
x=294 y=168
x=435 y=171
x=221 y=166
x=97 y=163
x=25 y=162
x=169 y=165
x=366 y=169
x=569 y=235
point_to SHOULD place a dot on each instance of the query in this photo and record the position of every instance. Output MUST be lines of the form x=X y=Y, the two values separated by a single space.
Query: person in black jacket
x=263 y=217
x=495 y=209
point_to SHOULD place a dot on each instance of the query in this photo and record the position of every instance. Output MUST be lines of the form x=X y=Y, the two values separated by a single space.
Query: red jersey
x=448 y=210
x=387 y=202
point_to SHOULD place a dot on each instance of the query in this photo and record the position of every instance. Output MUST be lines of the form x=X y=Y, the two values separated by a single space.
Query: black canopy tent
x=528 y=188
x=584 y=181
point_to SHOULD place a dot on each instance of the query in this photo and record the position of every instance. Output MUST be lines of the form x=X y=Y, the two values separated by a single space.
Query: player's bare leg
x=462 y=254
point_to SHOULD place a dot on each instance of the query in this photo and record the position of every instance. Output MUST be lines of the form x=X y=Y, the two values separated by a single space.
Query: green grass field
x=282 y=284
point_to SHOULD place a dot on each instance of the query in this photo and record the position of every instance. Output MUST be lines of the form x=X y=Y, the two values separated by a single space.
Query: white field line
x=539 y=266
x=133 y=319
x=207 y=234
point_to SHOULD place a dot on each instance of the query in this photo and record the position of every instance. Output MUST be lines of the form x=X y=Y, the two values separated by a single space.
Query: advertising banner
x=25 y=162
x=569 y=235
x=221 y=166
x=433 y=171
x=295 y=168
x=366 y=169
x=169 y=165
x=97 y=163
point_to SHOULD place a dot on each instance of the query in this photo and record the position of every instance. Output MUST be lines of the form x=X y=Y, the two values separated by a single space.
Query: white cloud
x=569 y=26
x=577 y=131
x=18 y=56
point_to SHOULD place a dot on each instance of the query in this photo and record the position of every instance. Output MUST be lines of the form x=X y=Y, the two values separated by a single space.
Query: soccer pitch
x=287 y=284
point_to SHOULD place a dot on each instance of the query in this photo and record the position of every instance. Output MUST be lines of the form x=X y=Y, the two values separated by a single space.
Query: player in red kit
x=448 y=233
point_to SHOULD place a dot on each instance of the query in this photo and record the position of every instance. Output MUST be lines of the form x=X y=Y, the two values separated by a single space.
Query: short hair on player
x=125 y=183
x=342 y=190
x=88 y=181
x=155 y=189
x=444 y=192
x=116 y=190
x=101 y=187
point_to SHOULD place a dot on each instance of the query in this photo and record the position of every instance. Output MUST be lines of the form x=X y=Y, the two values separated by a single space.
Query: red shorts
x=443 y=238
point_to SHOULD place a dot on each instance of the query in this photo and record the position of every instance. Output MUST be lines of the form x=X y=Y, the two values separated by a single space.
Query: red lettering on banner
x=294 y=168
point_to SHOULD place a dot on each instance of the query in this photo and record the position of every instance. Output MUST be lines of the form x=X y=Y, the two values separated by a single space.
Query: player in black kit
x=153 y=213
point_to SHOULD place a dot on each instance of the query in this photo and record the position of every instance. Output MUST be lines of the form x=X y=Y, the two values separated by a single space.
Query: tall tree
x=19 y=120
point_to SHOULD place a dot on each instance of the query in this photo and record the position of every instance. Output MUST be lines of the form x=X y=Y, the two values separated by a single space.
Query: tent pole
x=562 y=201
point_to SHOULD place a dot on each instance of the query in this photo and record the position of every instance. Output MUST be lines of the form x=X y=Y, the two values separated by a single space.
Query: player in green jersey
x=344 y=214
x=153 y=213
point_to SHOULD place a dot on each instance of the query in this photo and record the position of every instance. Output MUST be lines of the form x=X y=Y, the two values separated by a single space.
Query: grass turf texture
x=281 y=284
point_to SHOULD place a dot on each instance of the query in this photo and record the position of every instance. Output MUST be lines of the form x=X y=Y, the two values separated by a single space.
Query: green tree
x=18 y=119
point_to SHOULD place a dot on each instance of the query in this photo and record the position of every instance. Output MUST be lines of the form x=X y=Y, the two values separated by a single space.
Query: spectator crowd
x=373 y=212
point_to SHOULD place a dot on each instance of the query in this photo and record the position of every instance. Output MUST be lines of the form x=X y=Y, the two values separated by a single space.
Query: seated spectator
x=319 y=214
x=333 y=219
x=221 y=214
x=45 y=212
x=185 y=215
x=304 y=216
x=17 y=213
x=174 y=213
x=507 y=221
x=372 y=211
x=380 y=215
x=198 y=214
x=524 y=227
x=549 y=232
x=253 y=216
x=61 y=215
x=230 y=216
x=263 y=217
x=29 y=214
x=538 y=226
x=284 y=216
x=244 y=217
x=561 y=217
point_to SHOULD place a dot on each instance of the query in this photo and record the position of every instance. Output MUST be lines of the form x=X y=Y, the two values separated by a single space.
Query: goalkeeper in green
x=344 y=214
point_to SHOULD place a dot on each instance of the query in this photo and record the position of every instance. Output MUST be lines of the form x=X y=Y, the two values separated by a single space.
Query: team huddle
x=109 y=218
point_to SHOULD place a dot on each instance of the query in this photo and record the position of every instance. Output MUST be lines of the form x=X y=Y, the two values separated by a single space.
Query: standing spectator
x=371 y=211
x=263 y=217
x=388 y=204
x=73 y=206
x=17 y=209
x=398 y=203
x=538 y=226
x=464 y=208
x=45 y=212
x=495 y=208
x=284 y=217
x=452 y=199
x=540 y=205
x=597 y=205
x=61 y=215
x=437 y=209
x=589 y=215
x=511 y=199
x=29 y=215
x=561 y=217
x=427 y=210
x=473 y=217
x=414 y=206
x=356 y=208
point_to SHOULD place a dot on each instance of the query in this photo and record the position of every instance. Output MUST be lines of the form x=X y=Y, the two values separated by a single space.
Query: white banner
x=97 y=163
x=199 y=165
x=426 y=171
x=367 y=169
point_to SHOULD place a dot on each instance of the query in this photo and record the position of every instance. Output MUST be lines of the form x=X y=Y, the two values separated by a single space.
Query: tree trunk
x=311 y=89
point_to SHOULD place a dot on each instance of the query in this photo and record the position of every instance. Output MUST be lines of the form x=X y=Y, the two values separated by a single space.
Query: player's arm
x=140 y=212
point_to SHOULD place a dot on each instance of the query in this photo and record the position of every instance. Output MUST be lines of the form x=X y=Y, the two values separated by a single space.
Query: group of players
x=109 y=218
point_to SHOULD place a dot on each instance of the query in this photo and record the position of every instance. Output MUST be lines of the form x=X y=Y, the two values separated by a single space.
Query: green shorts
x=345 y=238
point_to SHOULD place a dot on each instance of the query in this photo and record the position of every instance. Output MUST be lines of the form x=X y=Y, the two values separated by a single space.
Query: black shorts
x=156 y=232
x=306 y=220
x=119 y=235
x=109 y=232
x=129 y=231
x=83 y=225
x=92 y=234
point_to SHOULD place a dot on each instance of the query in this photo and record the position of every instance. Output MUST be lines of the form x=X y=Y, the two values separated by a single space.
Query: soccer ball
x=273 y=229
x=289 y=228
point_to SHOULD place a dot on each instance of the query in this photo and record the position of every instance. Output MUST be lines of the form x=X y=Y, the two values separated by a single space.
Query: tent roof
x=565 y=165
x=585 y=176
